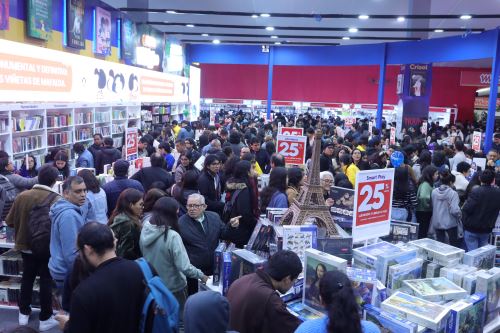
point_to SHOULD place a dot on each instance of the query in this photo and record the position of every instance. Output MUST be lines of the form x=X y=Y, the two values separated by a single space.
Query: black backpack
x=228 y=206
x=39 y=225
x=8 y=193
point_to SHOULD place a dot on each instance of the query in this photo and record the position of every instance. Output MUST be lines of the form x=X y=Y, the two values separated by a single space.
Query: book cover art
x=363 y=283
x=481 y=258
x=402 y=231
x=300 y=238
x=386 y=260
x=401 y=272
x=262 y=237
x=435 y=289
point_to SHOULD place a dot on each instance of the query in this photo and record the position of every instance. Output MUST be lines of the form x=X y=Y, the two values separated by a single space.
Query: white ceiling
x=311 y=7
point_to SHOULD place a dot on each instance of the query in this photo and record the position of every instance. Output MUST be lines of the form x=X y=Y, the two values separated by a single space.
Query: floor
x=8 y=321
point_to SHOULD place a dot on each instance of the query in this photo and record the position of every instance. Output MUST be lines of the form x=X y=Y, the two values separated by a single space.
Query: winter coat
x=85 y=160
x=242 y=206
x=351 y=172
x=148 y=175
x=445 y=209
x=179 y=173
x=127 y=235
x=206 y=186
x=115 y=187
x=94 y=150
x=424 y=197
x=168 y=256
x=99 y=205
x=481 y=209
x=20 y=182
x=107 y=155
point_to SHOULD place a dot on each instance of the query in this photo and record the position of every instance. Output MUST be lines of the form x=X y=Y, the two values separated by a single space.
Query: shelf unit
x=37 y=128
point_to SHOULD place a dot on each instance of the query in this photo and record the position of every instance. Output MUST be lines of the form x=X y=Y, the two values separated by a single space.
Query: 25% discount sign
x=293 y=148
x=372 y=204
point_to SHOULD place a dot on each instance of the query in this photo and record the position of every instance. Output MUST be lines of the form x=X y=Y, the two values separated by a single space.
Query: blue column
x=381 y=86
x=270 y=65
x=490 y=120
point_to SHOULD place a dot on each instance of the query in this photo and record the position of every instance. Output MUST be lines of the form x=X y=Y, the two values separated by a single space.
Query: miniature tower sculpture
x=310 y=204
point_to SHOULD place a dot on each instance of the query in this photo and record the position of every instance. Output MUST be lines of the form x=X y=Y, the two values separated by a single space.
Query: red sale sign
x=372 y=204
x=293 y=148
x=131 y=141
x=476 y=141
x=290 y=131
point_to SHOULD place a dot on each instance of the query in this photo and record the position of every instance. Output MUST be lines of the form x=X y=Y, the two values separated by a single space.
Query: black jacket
x=242 y=206
x=326 y=164
x=109 y=300
x=481 y=208
x=148 y=175
x=262 y=157
x=94 y=149
x=106 y=155
x=200 y=246
x=206 y=185
x=115 y=187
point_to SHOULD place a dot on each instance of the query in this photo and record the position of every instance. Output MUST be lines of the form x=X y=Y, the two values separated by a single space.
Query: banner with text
x=293 y=148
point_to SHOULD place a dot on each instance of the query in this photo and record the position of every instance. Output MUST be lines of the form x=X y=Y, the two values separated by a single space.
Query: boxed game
x=295 y=292
x=438 y=252
x=219 y=250
x=433 y=270
x=402 y=231
x=388 y=322
x=488 y=283
x=299 y=238
x=368 y=254
x=244 y=262
x=226 y=272
x=482 y=258
x=469 y=281
x=379 y=294
x=343 y=206
x=302 y=312
x=435 y=289
x=417 y=310
x=405 y=271
x=337 y=246
x=263 y=236
x=386 y=260
x=363 y=282
x=466 y=315
x=317 y=263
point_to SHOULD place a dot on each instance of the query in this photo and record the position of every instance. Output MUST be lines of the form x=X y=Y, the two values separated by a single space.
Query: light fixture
x=353 y=30
x=346 y=38
x=265 y=15
x=204 y=35
x=171 y=12
x=277 y=43
x=216 y=41
x=190 y=25
x=270 y=28
x=439 y=30
x=255 y=16
x=363 y=17
x=401 y=19
x=274 y=36
x=465 y=17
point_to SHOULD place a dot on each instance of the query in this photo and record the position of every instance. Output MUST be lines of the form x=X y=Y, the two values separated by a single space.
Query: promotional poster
x=129 y=41
x=103 y=31
x=4 y=14
x=415 y=96
x=75 y=18
x=39 y=18
x=343 y=206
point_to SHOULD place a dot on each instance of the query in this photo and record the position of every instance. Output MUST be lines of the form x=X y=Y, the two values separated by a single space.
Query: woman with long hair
x=61 y=163
x=162 y=247
x=274 y=195
x=150 y=199
x=95 y=195
x=337 y=296
x=125 y=221
x=424 y=206
x=349 y=168
x=182 y=191
x=30 y=170
x=404 y=195
x=182 y=167
x=424 y=159
x=295 y=182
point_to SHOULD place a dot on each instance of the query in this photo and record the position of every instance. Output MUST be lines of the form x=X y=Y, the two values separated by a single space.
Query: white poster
x=194 y=92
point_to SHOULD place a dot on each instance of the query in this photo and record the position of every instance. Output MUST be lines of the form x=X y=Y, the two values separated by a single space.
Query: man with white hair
x=326 y=179
x=201 y=231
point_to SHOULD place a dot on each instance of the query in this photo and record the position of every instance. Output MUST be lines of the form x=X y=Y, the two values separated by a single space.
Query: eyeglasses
x=195 y=205
x=329 y=181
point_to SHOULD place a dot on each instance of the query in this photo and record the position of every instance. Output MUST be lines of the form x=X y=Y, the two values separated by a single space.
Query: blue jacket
x=67 y=219
x=85 y=160
x=114 y=188
x=278 y=200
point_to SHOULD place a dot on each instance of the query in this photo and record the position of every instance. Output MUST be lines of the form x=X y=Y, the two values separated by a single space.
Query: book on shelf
x=103 y=130
x=59 y=138
x=102 y=117
x=26 y=143
x=11 y=263
x=10 y=291
x=55 y=120
x=118 y=128
x=27 y=123
x=4 y=125
x=83 y=118
x=435 y=289
x=119 y=114
x=83 y=133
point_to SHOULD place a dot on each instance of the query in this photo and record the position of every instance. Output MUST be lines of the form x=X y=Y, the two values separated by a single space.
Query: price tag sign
x=139 y=163
x=293 y=148
x=392 y=140
x=291 y=131
x=476 y=141
x=132 y=139
x=424 y=128
x=372 y=204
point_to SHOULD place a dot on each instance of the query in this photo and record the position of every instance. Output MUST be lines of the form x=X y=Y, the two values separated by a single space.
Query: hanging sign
x=372 y=204
x=476 y=141
x=290 y=130
x=132 y=139
x=293 y=148
x=392 y=140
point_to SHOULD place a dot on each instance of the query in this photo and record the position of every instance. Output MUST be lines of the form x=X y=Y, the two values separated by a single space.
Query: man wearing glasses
x=201 y=231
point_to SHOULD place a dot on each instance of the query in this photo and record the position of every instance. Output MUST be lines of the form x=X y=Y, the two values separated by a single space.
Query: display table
x=210 y=286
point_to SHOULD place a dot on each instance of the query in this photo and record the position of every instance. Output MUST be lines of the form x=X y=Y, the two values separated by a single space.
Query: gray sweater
x=445 y=208
x=20 y=182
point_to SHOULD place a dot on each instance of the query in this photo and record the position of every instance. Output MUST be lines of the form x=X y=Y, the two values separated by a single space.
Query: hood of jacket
x=120 y=219
x=62 y=205
x=234 y=185
x=443 y=192
x=150 y=233
x=206 y=312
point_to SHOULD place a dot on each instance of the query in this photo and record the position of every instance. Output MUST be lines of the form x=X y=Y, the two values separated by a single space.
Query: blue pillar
x=490 y=120
x=270 y=65
x=381 y=86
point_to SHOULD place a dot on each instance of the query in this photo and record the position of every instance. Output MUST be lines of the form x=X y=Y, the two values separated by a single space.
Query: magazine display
x=363 y=283
x=417 y=310
x=368 y=254
x=488 y=283
x=435 y=289
x=482 y=258
x=438 y=252
x=406 y=271
x=388 y=322
x=299 y=238
x=317 y=263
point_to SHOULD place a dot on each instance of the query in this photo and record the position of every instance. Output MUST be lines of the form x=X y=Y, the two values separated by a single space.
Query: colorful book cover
x=226 y=272
x=298 y=309
x=363 y=284
x=467 y=315
x=435 y=289
x=299 y=238
x=388 y=322
x=39 y=19
x=368 y=254
x=482 y=258
x=406 y=271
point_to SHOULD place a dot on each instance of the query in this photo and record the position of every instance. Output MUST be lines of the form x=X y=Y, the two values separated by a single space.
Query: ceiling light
x=277 y=43
x=439 y=30
x=204 y=35
x=353 y=30
x=255 y=16
x=401 y=19
x=465 y=17
x=363 y=17
x=269 y=28
x=190 y=25
x=274 y=36
x=171 y=12
x=346 y=38
x=265 y=15
x=216 y=41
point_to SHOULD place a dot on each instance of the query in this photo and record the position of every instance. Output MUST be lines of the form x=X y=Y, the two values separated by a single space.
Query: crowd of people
x=203 y=188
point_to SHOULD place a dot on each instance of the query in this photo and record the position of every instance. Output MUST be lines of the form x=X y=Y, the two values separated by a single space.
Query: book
x=438 y=252
x=218 y=258
x=263 y=235
x=363 y=283
x=337 y=246
x=343 y=207
x=467 y=315
x=417 y=310
x=405 y=271
x=299 y=238
x=388 y=322
x=226 y=272
x=402 y=231
x=317 y=263
x=380 y=294
x=435 y=289
x=368 y=254
x=488 y=283
x=482 y=258
x=244 y=262
x=386 y=260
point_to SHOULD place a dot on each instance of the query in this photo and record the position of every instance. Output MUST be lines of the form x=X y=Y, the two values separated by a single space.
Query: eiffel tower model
x=310 y=205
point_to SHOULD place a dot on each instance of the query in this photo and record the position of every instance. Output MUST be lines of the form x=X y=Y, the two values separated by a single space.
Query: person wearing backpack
x=22 y=218
x=112 y=297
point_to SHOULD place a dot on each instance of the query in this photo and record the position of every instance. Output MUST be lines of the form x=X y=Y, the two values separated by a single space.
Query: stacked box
x=244 y=262
x=263 y=236
x=435 y=289
x=380 y=294
x=402 y=231
x=218 y=256
x=457 y=273
x=438 y=252
x=467 y=315
x=433 y=270
x=386 y=260
x=363 y=283
x=226 y=272
x=388 y=322
x=482 y=258
x=406 y=271
x=338 y=246
x=299 y=238
x=367 y=255
x=469 y=281
x=488 y=283
x=417 y=310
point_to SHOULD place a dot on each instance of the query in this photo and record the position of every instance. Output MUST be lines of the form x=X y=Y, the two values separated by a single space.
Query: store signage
x=31 y=73
x=438 y=109
x=290 y=131
x=293 y=148
x=372 y=204
x=228 y=101
x=132 y=140
x=368 y=106
x=370 y=127
x=482 y=103
x=146 y=55
x=392 y=140
x=327 y=105
x=476 y=141
x=194 y=92
x=475 y=79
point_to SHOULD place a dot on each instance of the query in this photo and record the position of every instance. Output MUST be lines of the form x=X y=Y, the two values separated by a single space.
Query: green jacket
x=424 y=197
x=168 y=256
x=127 y=234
